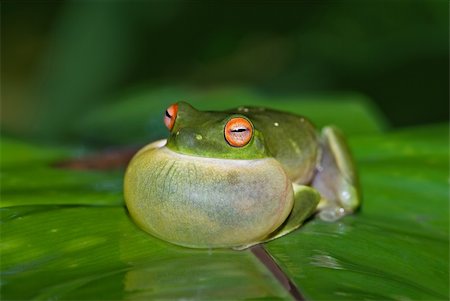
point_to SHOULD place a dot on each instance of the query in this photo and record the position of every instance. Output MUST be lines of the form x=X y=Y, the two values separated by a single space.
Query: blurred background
x=98 y=72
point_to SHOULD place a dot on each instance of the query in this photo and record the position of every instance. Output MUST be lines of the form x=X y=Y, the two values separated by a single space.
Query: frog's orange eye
x=171 y=115
x=238 y=131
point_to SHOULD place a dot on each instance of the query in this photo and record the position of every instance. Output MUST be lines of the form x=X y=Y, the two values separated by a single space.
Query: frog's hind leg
x=336 y=178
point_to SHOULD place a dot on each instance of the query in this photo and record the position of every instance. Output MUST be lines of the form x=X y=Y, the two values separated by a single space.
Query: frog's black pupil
x=238 y=130
x=168 y=115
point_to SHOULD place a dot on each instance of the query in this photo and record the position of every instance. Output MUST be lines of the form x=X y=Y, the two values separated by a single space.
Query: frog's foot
x=306 y=200
x=336 y=178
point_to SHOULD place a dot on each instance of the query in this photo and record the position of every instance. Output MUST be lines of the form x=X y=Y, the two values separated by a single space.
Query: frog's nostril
x=188 y=136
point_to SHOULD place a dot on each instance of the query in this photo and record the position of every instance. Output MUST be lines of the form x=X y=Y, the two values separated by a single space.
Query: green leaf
x=397 y=246
x=28 y=178
x=66 y=234
x=15 y=154
x=73 y=252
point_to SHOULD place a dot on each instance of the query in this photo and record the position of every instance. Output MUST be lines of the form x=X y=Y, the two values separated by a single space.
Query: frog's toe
x=331 y=214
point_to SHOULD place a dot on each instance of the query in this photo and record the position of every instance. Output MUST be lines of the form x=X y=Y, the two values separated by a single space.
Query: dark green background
x=60 y=61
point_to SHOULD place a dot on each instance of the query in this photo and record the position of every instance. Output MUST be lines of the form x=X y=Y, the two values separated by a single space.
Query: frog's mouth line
x=161 y=145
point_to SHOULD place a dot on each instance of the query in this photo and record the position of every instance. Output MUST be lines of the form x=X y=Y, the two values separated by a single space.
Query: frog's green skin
x=196 y=190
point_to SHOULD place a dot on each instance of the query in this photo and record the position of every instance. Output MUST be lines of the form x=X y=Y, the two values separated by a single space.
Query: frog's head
x=212 y=134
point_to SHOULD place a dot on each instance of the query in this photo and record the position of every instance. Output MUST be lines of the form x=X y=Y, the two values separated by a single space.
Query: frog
x=239 y=177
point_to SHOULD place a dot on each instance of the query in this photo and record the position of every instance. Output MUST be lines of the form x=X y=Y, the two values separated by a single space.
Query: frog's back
x=289 y=138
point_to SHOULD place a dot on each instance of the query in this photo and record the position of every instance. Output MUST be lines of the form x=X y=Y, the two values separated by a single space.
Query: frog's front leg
x=306 y=200
x=336 y=178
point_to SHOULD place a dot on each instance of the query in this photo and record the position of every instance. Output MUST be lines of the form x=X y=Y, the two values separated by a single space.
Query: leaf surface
x=396 y=247
x=66 y=233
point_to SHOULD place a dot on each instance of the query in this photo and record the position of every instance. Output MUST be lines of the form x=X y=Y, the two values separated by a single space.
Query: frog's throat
x=206 y=202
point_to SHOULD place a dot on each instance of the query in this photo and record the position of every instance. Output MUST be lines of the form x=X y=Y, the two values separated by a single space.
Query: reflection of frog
x=236 y=178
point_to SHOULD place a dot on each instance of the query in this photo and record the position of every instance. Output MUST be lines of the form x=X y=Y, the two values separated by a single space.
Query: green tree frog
x=236 y=178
